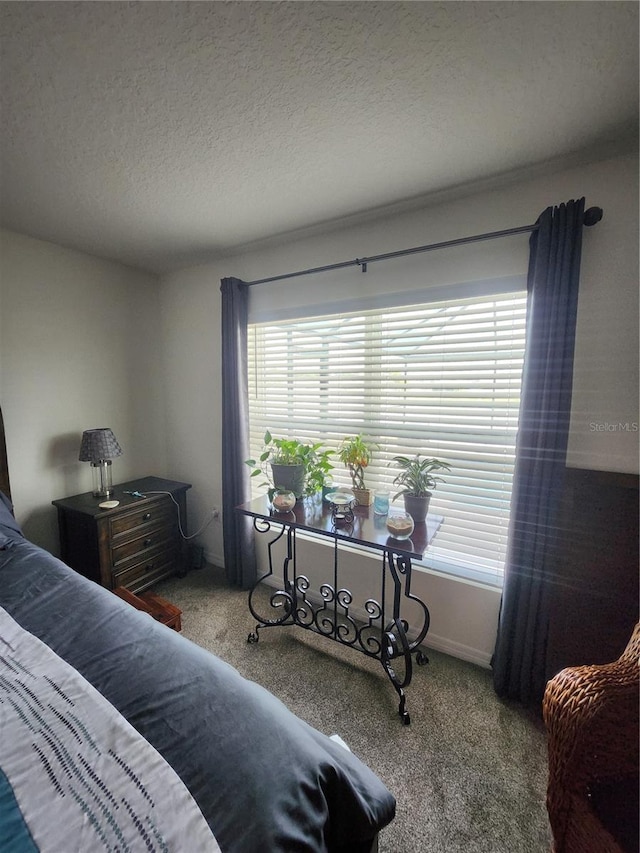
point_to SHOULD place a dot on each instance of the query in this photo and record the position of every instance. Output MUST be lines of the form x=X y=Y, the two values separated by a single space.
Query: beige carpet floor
x=469 y=773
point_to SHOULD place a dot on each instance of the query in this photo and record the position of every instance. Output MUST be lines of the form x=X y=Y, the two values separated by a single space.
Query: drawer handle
x=146 y=516
x=147 y=542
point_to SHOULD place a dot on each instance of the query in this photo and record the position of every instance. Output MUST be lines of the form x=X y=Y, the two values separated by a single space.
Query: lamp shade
x=99 y=444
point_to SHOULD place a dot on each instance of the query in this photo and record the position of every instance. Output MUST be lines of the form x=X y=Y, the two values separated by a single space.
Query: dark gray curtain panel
x=554 y=269
x=237 y=529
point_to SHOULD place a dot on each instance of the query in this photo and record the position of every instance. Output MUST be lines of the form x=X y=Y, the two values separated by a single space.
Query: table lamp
x=99 y=447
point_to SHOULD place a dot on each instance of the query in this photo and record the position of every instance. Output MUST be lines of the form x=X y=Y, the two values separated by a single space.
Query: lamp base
x=102 y=482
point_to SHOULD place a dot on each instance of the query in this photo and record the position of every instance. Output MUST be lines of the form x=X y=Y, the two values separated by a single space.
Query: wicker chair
x=591 y=715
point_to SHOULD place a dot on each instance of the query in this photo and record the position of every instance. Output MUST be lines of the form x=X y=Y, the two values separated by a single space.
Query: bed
x=120 y=734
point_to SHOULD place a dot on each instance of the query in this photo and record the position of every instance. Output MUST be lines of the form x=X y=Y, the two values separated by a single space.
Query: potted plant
x=417 y=482
x=355 y=453
x=290 y=465
x=319 y=472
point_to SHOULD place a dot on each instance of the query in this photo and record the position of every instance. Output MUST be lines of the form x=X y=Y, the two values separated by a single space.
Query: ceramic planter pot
x=417 y=507
x=289 y=478
x=363 y=496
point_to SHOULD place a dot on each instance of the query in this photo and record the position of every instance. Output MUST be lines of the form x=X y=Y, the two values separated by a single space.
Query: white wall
x=606 y=367
x=80 y=347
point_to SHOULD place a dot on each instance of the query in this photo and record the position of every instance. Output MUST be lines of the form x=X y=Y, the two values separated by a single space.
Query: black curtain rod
x=591 y=217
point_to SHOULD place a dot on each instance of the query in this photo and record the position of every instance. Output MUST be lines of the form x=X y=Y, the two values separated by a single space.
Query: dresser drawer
x=157 y=564
x=131 y=524
x=158 y=537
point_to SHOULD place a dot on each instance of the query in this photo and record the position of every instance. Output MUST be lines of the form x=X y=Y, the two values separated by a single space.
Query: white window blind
x=440 y=379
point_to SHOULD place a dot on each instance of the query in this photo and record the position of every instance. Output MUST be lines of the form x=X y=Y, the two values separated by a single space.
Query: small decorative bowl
x=400 y=525
x=283 y=501
x=341 y=498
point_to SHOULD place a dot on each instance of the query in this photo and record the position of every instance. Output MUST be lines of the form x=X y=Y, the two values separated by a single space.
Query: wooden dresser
x=133 y=545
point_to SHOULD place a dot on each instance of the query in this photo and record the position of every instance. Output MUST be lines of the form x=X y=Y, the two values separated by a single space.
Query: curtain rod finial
x=593 y=215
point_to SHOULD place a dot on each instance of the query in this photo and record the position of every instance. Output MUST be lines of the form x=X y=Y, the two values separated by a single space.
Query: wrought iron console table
x=383 y=633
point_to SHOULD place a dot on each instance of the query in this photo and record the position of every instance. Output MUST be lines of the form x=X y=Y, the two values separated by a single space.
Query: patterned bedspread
x=74 y=774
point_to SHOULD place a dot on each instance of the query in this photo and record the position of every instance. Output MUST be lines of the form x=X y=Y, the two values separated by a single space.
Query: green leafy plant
x=355 y=453
x=416 y=476
x=318 y=471
x=290 y=451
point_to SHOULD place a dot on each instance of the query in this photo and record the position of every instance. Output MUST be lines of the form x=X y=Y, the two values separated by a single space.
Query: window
x=441 y=379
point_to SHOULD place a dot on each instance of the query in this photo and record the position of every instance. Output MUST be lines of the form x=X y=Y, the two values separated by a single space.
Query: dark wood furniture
x=375 y=627
x=157 y=607
x=133 y=545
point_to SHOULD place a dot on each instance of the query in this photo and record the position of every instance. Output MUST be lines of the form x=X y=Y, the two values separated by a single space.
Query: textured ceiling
x=167 y=133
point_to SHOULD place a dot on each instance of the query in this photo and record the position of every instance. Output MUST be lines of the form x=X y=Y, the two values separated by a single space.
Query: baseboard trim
x=459 y=650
